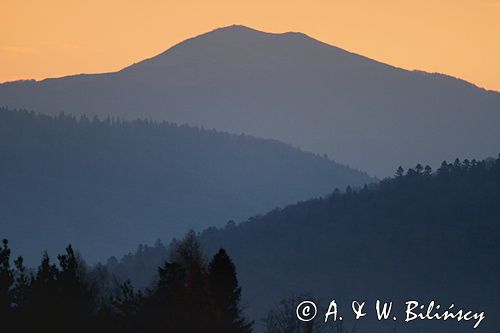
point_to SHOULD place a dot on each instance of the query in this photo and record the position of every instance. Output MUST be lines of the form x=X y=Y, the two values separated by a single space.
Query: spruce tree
x=227 y=293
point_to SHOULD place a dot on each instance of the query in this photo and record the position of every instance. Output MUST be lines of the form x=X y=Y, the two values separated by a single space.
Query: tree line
x=190 y=295
x=423 y=232
x=76 y=179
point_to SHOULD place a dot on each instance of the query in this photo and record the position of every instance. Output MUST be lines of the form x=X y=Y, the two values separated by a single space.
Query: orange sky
x=51 y=38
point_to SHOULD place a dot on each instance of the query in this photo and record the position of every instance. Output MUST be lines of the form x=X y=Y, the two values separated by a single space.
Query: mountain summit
x=289 y=87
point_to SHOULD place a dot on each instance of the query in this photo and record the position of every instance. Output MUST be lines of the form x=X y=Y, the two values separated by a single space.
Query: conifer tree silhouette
x=6 y=282
x=227 y=293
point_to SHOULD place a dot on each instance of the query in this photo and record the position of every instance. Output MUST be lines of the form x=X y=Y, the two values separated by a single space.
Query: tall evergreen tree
x=75 y=296
x=227 y=293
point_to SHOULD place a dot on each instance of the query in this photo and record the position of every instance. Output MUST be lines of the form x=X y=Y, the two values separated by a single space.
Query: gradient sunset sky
x=51 y=38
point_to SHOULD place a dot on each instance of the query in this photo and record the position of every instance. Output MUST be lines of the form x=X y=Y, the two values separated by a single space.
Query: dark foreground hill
x=420 y=236
x=105 y=186
x=289 y=87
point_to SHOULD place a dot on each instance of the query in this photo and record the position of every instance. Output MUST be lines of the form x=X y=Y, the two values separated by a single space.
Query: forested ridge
x=420 y=234
x=106 y=185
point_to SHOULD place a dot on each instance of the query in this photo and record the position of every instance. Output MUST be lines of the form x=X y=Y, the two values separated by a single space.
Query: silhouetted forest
x=107 y=185
x=189 y=296
x=420 y=234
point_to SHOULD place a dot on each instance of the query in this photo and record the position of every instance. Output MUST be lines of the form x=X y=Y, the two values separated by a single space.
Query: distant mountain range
x=106 y=186
x=292 y=88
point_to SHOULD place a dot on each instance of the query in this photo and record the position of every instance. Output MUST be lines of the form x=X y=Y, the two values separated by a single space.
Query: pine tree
x=419 y=168
x=427 y=170
x=75 y=296
x=227 y=293
x=400 y=172
x=46 y=274
x=22 y=284
x=6 y=279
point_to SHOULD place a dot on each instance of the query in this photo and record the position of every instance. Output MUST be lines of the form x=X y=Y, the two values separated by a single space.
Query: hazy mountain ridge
x=417 y=236
x=107 y=185
x=289 y=87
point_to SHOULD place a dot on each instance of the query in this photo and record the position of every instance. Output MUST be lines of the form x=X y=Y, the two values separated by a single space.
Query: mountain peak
x=233 y=41
x=242 y=31
x=234 y=31
x=289 y=87
x=236 y=28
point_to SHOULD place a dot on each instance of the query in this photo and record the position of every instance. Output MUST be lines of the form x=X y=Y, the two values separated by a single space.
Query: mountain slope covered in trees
x=421 y=235
x=289 y=87
x=107 y=185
